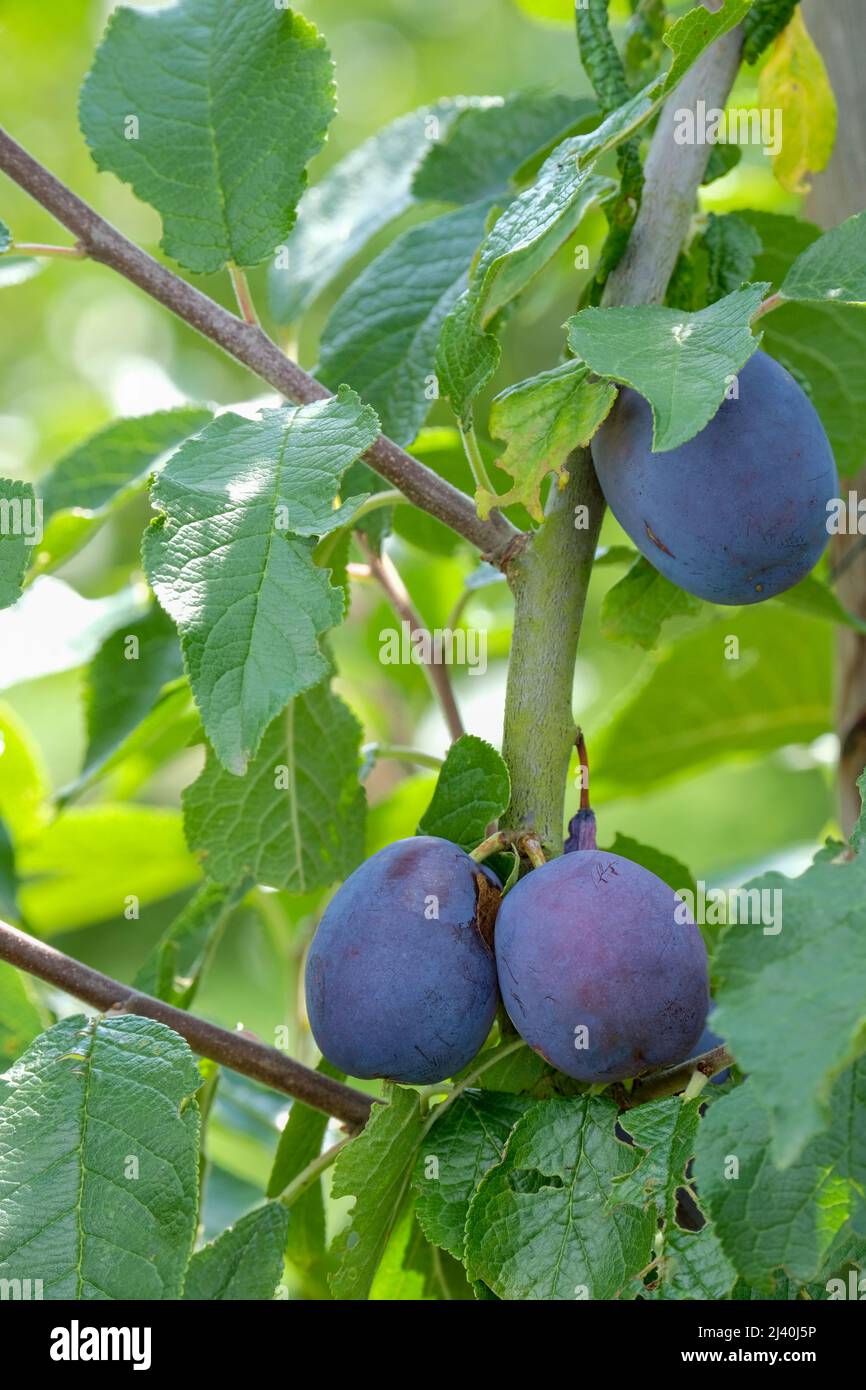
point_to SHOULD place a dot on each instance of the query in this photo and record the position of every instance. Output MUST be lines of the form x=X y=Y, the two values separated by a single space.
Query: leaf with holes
x=537 y=1226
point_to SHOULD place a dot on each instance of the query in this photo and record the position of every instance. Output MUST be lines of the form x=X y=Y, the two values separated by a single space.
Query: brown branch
x=667 y=1082
x=385 y=572
x=235 y=1050
x=249 y=345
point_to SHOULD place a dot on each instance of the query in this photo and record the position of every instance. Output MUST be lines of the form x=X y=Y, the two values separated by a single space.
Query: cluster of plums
x=594 y=968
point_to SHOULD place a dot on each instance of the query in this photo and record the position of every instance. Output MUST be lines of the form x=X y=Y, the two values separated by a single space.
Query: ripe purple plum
x=737 y=514
x=597 y=970
x=401 y=976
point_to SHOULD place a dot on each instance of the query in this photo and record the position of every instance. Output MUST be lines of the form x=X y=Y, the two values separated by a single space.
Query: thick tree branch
x=234 y=1050
x=249 y=345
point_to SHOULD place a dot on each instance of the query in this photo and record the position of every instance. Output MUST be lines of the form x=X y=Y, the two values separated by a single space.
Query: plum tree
x=401 y=976
x=595 y=970
x=738 y=513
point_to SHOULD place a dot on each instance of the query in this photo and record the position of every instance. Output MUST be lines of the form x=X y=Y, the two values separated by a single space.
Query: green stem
x=476 y=462
x=401 y=754
x=313 y=1171
x=37 y=248
x=549 y=580
x=243 y=295
x=501 y=1053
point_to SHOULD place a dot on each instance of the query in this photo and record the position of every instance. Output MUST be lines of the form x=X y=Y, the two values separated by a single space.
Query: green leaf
x=765 y=20
x=636 y=608
x=457 y=1152
x=227 y=562
x=166 y=731
x=365 y=192
x=21 y=1018
x=681 y=362
x=792 y=1019
x=473 y=789
x=8 y=876
x=543 y=420
x=101 y=475
x=793 y=83
x=702 y=703
x=211 y=111
x=665 y=1130
x=5 y=238
x=466 y=358
x=382 y=333
x=296 y=820
x=695 y=1266
x=664 y=866
x=413 y=1270
x=24 y=785
x=813 y=596
x=518 y=1071
x=723 y=158
x=823 y=345
x=488 y=142
x=174 y=970
x=537 y=1227
x=244 y=1263
x=89 y=862
x=124 y=682
x=20 y=530
x=731 y=245
x=767 y=1219
x=833 y=267
x=99 y=1160
x=375 y=1169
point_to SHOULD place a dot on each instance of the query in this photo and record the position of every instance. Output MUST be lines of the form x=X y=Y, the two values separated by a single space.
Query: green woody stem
x=549 y=580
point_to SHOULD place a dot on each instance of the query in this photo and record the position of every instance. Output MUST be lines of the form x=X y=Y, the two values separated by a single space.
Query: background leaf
x=296 y=820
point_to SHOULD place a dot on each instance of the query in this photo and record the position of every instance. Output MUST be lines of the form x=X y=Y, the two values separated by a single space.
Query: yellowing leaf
x=794 y=81
x=542 y=420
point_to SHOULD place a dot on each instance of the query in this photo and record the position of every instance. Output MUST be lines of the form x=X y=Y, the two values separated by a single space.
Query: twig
x=475 y=458
x=769 y=304
x=667 y=1082
x=248 y=344
x=383 y=569
x=235 y=1050
x=38 y=248
x=243 y=294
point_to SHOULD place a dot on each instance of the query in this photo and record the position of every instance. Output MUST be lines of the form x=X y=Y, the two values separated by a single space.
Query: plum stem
x=313 y=1171
x=401 y=754
x=476 y=461
x=38 y=248
x=243 y=295
x=494 y=844
x=530 y=845
x=583 y=759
